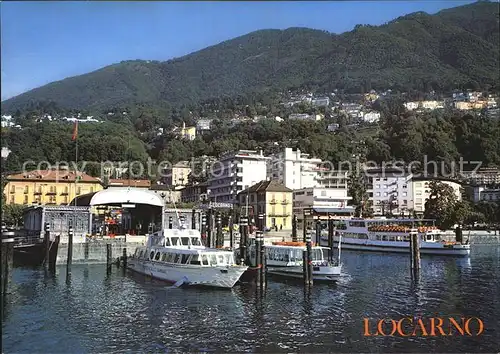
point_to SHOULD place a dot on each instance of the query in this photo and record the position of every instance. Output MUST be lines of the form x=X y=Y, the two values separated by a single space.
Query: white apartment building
x=390 y=188
x=294 y=169
x=328 y=178
x=322 y=200
x=371 y=117
x=421 y=192
x=234 y=172
x=176 y=176
x=203 y=125
x=410 y=106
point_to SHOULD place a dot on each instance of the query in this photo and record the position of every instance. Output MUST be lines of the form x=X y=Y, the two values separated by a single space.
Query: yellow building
x=270 y=198
x=188 y=133
x=56 y=187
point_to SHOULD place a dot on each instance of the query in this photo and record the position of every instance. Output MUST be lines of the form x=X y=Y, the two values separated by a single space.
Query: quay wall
x=96 y=251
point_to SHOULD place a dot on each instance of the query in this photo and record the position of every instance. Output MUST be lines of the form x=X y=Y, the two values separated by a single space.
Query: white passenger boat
x=393 y=235
x=178 y=256
x=285 y=259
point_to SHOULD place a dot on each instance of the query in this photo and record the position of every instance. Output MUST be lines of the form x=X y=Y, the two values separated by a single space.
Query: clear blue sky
x=44 y=41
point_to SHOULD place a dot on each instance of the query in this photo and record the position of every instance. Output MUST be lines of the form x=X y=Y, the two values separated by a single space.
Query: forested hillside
x=455 y=48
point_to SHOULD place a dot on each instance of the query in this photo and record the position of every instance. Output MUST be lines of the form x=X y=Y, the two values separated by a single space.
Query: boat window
x=213 y=259
x=221 y=259
x=286 y=257
x=163 y=257
x=167 y=242
x=229 y=259
x=170 y=257
x=151 y=255
x=184 y=258
x=176 y=258
x=204 y=259
x=384 y=238
x=317 y=254
x=195 y=259
x=195 y=241
x=157 y=256
x=175 y=240
x=429 y=237
x=185 y=241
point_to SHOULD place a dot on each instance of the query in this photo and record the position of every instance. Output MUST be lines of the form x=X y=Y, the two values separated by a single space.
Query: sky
x=46 y=41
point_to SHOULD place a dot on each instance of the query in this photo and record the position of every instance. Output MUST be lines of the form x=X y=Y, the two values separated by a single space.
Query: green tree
x=13 y=214
x=443 y=206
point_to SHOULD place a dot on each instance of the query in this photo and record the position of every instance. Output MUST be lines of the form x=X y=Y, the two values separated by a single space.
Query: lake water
x=122 y=312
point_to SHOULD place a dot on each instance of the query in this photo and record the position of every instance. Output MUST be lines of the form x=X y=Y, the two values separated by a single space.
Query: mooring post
x=330 y=237
x=124 y=257
x=47 y=244
x=170 y=222
x=309 y=260
x=109 y=256
x=243 y=238
x=458 y=234
x=7 y=260
x=318 y=231
x=231 y=242
x=220 y=238
x=54 y=245
x=204 y=229
x=263 y=262
x=193 y=219
x=209 y=228
x=304 y=226
x=294 y=228
x=258 y=259
x=86 y=250
x=415 y=253
x=70 y=249
x=305 y=271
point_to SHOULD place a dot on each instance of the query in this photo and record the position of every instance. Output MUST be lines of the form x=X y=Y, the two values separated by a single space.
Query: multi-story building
x=136 y=183
x=490 y=195
x=482 y=193
x=294 y=169
x=194 y=193
x=234 y=172
x=391 y=190
x=421 y=192
x=371 y=117
x=188 y=133
x=52 y=187
x=322 y=200
x=322 y=101
x=203 y=125
x=483 y=176
x=328 y=178
x=271 y=198
x=176 y=176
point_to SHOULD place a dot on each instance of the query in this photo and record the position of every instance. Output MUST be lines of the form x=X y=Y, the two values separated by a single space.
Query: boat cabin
x=176 y=238
x=184 y=256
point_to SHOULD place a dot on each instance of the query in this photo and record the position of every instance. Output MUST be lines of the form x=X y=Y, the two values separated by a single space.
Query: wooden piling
x=231 y=241
x=124 y=257
x=415 y=253
x=304 y=227
x=53 y=250
x=294 y=228
x=210 y=225
x=70 y=249
x=330 y=238
x=243 y=239
x=203 y=230
x=193 y=219
x=220 y=237
x=318 y=232
x=109 y=256
x=305 y=271
x=261 y=225
x=86 y=250
x=258 y=254
x=309 y=260
x=7 y=262
x=47 y=244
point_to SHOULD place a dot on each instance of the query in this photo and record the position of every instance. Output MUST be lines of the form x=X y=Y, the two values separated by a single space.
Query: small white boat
x=286 y=259
x=178 y=256
x=393 y=236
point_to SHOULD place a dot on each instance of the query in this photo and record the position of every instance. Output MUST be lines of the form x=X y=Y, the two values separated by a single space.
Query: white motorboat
x=393 y=235
x=178 y=256
x=286 y=259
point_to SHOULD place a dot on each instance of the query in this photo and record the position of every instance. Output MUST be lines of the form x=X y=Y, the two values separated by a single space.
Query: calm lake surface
x=123 y=312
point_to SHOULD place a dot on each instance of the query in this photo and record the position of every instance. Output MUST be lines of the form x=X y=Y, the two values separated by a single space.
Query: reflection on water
x=93 y=310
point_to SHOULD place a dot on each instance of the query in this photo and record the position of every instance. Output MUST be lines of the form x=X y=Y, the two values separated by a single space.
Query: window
x=377 y=186
x=405 y=194
x=151 y=255
x=163 y=257
x=185 y=241
x=323 y=193
x=377 y=194
x=385 y=194
x=195 y=259
x=79 y=190
x=177 y=258
x=157 y=256
x=204 y=259
x=26 y=189
x=184 y=258
x=195 y=241
x=175 y=241
x=418 y=193
x=385 y=186
x=25 y=199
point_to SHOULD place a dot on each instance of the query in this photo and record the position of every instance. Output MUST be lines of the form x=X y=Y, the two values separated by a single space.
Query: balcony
x=275 y=214
x=285 y=202
x=37 y=192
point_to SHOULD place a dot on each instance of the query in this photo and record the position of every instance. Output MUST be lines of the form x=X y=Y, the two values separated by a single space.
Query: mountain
x=454 y=48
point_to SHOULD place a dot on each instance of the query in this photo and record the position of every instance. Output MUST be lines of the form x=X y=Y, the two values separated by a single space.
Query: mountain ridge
x=452 y=48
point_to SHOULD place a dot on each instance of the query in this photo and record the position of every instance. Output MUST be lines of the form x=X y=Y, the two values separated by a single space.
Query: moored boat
x=286 y=259
x=178 y=256
x=393 y=236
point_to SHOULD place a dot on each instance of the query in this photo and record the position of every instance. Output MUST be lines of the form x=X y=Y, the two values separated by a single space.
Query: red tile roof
x=139 y=183
x=53 y=176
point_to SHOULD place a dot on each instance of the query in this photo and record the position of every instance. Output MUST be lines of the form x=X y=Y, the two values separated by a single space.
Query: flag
x=75 y=131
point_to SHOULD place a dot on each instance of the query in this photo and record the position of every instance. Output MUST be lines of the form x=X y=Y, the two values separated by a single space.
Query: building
x=391 y=190
x=294 y=169
x=188 y=133
x=234 y=172
x=371 y=117
x=431 y=105
x=333 y=127
x=411 y=106
x=176 y=176
x=271 y=198
x=421 y=191
x=168 y=195
x=329 y=178
x=137 y=183
x=482 y=193
x=322 y=201
x=194 y=193
x=321 y=102
x=483 y=176
x=52 y=187
x=203 y=125
x=490 y=195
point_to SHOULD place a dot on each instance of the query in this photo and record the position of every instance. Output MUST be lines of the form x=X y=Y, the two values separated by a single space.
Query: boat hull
x=426 y=248
x=219 y=277
x=320 y=273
